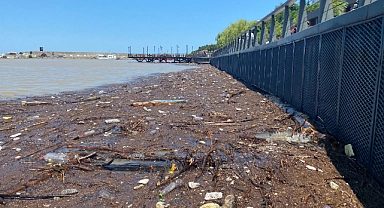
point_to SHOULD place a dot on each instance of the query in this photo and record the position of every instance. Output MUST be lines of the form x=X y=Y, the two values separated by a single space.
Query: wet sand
x=213 y=132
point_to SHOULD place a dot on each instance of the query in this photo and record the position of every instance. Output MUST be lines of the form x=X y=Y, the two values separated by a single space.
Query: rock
x=229 y=202
x=213 y=195
x=144 y=181
x=193 y=185
x=69 y=191
x=210 y=205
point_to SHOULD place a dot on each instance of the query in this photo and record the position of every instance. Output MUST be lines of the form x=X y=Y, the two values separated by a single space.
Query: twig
x=16 y=196
x=30 y=183
x=98 y=149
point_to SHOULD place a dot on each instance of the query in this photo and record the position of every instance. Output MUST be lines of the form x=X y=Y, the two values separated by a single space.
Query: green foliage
x=339 y=7
x=232 y=31
x=209 y=47
x=235 y=29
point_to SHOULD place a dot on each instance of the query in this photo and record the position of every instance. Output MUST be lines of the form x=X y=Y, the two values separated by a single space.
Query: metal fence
x=335 y=75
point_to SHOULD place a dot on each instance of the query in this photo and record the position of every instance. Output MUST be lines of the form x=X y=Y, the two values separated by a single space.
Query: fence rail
x=333 y=72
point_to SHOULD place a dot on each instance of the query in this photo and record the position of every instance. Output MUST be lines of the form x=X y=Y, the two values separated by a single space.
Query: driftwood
x=99 y=149
x=34 y=103
x=87 y=99
x=157 y=102
x=16 y=196
x=30 y=183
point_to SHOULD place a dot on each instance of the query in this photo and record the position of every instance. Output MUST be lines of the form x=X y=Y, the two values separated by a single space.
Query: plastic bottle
x=89 y=133
x=171 y=186
x=58 y=158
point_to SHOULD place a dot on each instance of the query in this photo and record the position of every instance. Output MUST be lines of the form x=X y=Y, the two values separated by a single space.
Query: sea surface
x=20 y=78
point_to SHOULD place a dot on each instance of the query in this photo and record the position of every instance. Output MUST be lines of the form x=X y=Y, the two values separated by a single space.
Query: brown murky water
x=26 y=77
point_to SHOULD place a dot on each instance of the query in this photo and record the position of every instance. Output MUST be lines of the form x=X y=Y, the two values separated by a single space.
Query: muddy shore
x=202 y=126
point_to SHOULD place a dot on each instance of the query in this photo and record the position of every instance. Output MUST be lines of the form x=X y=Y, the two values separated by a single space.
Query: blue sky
x=112 y=26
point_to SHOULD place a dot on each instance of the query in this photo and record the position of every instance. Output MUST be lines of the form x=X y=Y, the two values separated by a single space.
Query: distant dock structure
x=169 y=58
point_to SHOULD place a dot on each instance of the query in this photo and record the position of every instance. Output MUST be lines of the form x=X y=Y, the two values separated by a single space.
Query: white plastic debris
x=193 y=185
x=333 y=185
x=197 y=118
x=114 y=120
x=147 y=109
x=348 y=150
x=310 y=167
x=144 y=181
x=69 y=191
x=138 y=187
x=15 y=135
x=213 y=195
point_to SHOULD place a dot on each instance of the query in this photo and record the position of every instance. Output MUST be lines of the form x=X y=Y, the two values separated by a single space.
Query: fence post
x=302 y=20
x=262 y=35
x=286 y=24
x=272 y=33
x=327 y=8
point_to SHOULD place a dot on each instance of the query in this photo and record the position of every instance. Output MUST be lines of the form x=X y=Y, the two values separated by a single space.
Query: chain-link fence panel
x=329 y=76
x=311 y=68
x=358 y=86
x=288 y=73
x=274 y=68
x=297 y=79
x=281 y=72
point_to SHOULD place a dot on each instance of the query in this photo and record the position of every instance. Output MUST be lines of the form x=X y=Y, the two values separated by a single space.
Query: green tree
x=338 y=7
x=232 y=31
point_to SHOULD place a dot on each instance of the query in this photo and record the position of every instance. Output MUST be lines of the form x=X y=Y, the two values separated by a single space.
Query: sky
x=115 y=25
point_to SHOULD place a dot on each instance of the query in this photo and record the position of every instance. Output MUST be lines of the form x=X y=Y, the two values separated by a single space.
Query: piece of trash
x=197 y=118
x=171 y=186
x=89 y=133
x=160 y=204
x=16 y=148
x=310 y=167
x=201 y=142
x=114 y=120
x=213 y=195
x=162 y=112
x=16 y=138
x=57 y=158
x=144 y=181
x=105 y=195
x=1 y=147
x=238 y=109
x=348 y=150
x=172 y=169
x=138 y=186
x=7 y=117
x=153 y=132
x=15 y=135
x=333 y=185
x=157 y=102
x=69 y=191
x=17 y=157
x=146 y=109
x=25 y=103
x=193 y=185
